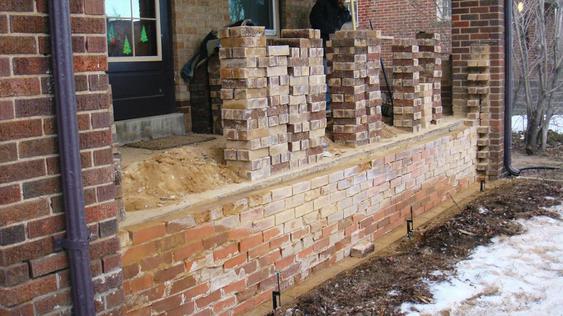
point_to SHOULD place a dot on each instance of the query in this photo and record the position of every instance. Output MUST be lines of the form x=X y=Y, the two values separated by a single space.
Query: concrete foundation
x=146 y=128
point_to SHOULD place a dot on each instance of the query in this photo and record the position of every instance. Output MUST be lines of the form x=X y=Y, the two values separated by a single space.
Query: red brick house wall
x=34 y=279
x=404 y=18
x=481 y=22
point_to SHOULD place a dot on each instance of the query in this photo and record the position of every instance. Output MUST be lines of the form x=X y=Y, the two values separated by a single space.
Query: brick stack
x=278 y=102
x=245 y=103
x=407 y=111
x=354 y=87
x=478 y=103
x=431 y=62
x=426 y=95
x=307 y=95
x=214 y=73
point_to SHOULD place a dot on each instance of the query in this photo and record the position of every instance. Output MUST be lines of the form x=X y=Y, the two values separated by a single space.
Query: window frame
x=356 y=11
x=443 y=15
x=156 y=58
x=275 y=16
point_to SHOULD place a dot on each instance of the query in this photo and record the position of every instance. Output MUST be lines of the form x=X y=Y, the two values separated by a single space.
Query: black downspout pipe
x=508 y=89
x=76 y=242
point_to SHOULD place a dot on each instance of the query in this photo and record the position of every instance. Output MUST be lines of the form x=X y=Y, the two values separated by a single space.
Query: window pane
x=145 y=38
x=144 y=9
x=259 y=11
x=118 y=8
x=119 y=38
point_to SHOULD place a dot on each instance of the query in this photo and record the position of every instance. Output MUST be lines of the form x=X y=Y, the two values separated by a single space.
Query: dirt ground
x=165 y=177
x=381 y=285
x=552 y=157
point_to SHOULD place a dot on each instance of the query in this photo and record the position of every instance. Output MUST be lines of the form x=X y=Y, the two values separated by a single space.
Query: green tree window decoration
x=111 y=35
x=144 y=37
x=127 y=47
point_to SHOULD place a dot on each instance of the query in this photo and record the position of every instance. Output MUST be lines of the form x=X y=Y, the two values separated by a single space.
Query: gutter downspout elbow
x=77 y=234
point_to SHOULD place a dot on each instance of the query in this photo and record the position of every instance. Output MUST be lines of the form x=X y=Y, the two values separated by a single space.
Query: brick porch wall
x=481 y=22
x=221 y=259
x=34 y=279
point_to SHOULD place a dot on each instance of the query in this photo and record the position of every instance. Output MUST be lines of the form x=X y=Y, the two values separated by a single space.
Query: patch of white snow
x=518 y=275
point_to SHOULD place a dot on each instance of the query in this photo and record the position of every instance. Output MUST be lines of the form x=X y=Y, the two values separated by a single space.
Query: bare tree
x=539 y=65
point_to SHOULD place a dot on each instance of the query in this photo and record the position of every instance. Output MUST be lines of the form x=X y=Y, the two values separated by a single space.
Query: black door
x=140 y=57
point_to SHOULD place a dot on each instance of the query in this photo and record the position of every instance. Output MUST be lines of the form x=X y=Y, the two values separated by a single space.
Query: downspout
x=508 y=87
x=76 y=242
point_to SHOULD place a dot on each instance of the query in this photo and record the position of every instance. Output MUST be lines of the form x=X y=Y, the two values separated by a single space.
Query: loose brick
x=48 y=264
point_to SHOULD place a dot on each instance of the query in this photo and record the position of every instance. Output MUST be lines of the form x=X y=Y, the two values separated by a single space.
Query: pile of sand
x=168 y=177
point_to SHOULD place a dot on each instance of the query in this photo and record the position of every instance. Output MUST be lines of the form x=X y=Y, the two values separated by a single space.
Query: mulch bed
x=381 y=285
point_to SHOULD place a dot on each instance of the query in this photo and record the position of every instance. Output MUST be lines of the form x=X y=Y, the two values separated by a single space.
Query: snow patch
x=518 y=275
x=519 y=123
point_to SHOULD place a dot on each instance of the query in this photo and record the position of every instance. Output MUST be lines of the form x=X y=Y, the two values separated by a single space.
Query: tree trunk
x=532 y=133
x=544 y=132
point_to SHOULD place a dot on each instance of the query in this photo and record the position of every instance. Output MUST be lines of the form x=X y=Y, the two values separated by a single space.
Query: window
x=261 y=12
x=355 y=12
x=133 y=30
x=444 y=10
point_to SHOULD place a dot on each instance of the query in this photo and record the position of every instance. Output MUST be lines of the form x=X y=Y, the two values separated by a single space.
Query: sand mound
x=166 y=178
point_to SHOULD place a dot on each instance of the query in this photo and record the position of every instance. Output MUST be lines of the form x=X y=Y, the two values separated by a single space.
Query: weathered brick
x=5 y=68
x=45 y=226
x=48 y=264
x=13 y=275
x=29 y=24
x=31 y=65
x=8 y=152
x=17 y=45
x=21 y=170
x=17 y=5
x=41 y=187
x=12 y=235
x=6 y=110
x=19 y=294
x=14 y=87
x=38 y=147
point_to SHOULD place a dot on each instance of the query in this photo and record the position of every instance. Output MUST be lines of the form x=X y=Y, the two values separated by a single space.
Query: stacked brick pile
x=307 y=95
x=278 y=101
x=478 y=103
x=426 y=95
x=213 y=70
x=431 y=62
x=407 y=111
x=245 y=103
x=354 y=87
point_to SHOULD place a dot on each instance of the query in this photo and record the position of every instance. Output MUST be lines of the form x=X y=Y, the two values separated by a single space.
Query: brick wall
x=221 y=258
x=192 y=20
x=404 y=18
x=34 y=279
x=481 y=22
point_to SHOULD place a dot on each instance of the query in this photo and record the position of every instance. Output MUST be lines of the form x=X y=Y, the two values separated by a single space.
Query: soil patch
x=381 y=285
x=167 y=177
